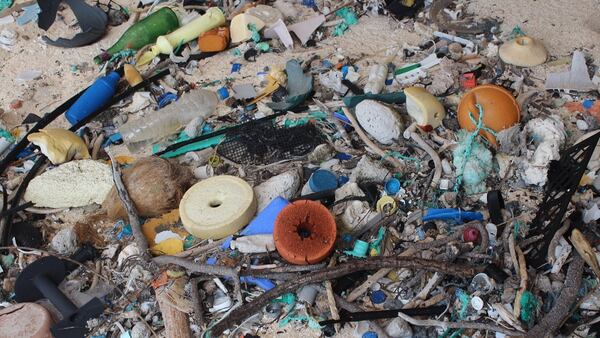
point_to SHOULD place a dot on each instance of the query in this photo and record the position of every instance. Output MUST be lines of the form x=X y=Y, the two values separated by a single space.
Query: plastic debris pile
x=259 y=169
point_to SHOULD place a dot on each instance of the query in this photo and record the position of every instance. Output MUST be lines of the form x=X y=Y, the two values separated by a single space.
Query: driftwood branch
x=238 y=315
x=555 y=318
x=132 y=214
x=459 y=325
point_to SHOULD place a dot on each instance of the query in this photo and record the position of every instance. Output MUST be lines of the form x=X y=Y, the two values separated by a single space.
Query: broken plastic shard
x=92 y=21
x=306 y=28
x=299 y=87
x=576 y=79
x=281 y=31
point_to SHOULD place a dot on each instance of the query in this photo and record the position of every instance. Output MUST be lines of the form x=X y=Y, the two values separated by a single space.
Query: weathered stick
x=555 y=318
x=132 y=214
x=460 y=325
x=238 y=315
x=177 y=323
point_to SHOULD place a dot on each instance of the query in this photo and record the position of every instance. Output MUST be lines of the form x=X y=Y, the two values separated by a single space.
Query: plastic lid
x=369 y=334
x=378 y=297
x=217 y=207
x=322 y=180
x=392 y=186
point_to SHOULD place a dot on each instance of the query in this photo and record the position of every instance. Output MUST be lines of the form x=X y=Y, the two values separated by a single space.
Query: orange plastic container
x=215 y=40
x=304 y=232
x=500 y=110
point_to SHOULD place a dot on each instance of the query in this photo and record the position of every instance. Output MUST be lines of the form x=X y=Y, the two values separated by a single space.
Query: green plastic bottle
x=145 y=32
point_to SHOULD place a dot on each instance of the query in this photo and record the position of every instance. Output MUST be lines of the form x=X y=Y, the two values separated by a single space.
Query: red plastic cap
x=305 y=232
x=470 y=234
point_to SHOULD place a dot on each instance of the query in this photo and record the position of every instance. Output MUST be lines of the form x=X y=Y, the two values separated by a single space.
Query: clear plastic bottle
x=168 y=120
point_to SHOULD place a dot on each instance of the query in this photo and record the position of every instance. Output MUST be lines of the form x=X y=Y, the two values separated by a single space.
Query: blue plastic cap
x=369 y=334
x=322 y=180
x=392 y=186
x=223 y=93
x=378 y=297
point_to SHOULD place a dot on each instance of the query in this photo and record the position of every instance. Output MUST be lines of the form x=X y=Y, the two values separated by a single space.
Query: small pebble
x=582 y=125
x=16 y=104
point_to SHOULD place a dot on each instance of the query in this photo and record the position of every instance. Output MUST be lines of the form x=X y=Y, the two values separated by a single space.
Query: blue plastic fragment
x=166 y=98
x=452 y=214
x=264 y=222
x=236 y=67
x=30 y=13
x=223 y=93
x=343 y=156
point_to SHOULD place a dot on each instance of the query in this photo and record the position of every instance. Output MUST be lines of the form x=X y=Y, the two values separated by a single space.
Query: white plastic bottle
x=168 y=120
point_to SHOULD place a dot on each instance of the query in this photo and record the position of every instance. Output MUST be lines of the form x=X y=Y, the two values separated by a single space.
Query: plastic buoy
x=304 y=232
x=217 y=207
x=500 y=110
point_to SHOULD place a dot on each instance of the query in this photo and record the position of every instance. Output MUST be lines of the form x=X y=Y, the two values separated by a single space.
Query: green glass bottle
x=144 y=32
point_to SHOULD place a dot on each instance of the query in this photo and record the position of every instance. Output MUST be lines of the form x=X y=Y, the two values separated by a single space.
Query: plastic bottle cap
x=322 y=180
x=360 y=249
x=378 y=297
x=223 y=93
x=392 y=186
x=477 y=303
x=369 y=334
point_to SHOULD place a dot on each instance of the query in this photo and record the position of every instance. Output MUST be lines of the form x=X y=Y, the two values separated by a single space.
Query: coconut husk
x=155 y=186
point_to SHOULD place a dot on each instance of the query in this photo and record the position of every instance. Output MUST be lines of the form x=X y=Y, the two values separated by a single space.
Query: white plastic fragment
x=306 y=28
x=561 y=253
x=591 y=214
x=467 y=43
x=353 y=214
x=65 y=241
x=399 y=328
x=284 y=185
x=577 y=78
x=254 y=243
x=279 y=30
x=379 y=121
x=548 y=135
x=369 y=170
x=29 y=75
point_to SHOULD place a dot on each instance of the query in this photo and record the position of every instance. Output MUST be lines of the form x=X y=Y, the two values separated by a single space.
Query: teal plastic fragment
x=255 y=35
x=263 y=47
x=299 y=86
x=396 y=97
x=195 y=146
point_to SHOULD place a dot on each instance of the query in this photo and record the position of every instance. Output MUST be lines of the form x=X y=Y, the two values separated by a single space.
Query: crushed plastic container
x=164 y=122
